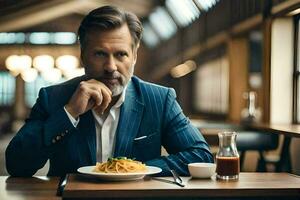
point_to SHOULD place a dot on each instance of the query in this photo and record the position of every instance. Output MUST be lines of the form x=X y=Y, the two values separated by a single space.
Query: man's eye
x=100 y=54
x=121 y=54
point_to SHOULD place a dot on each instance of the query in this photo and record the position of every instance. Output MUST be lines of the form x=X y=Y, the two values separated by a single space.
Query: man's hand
x=89 y=94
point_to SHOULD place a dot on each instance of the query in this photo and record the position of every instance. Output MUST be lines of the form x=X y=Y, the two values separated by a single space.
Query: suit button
x=63 y=134
x=53 y=141
x=66 y=131
x=58 y=137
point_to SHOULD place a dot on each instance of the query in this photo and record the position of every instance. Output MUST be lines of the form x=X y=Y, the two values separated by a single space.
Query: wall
x=281 y=80
x=281 y=71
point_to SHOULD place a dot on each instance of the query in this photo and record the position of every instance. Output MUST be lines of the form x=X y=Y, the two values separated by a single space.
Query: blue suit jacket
x=149 y=110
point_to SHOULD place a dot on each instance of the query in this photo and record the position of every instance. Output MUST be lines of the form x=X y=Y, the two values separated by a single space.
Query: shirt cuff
x=72 y=119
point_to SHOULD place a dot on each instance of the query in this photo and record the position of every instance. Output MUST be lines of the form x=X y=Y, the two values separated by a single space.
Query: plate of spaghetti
x=118 y=169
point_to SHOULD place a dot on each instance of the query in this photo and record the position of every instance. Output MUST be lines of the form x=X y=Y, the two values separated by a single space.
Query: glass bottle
x=251 y=106
x=228 y=159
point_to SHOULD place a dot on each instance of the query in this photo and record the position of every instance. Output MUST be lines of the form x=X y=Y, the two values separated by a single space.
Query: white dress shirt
x=105 y=129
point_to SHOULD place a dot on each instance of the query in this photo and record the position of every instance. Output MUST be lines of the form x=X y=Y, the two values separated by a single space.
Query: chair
x=256 y=141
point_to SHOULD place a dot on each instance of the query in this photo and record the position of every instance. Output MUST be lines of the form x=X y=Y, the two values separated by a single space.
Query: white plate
x=88 y=170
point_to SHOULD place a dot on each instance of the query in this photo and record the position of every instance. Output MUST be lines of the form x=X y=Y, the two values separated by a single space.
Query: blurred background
x=230 y=61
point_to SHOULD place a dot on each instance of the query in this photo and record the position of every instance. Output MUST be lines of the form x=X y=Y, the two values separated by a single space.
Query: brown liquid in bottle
x=228 y=166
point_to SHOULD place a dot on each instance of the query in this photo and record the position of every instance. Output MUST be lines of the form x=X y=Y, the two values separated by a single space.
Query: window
x=184 y=12
x=40 y=38
x=206 y=4
x=212 y=87
x=281 y=71
x=255 y=60
x=296 y=115
x=162 y=23
x=149 y=36
x=32 y=89
x=12 y=38
x=7 y=89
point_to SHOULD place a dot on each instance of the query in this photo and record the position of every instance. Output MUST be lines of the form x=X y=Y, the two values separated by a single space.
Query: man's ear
x=134 y=60
x=81 y=57
x=135 y=53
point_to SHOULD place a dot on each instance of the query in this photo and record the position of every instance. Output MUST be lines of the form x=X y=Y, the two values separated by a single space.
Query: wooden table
x=250 y=185
x=33 y=188
x=288 y=131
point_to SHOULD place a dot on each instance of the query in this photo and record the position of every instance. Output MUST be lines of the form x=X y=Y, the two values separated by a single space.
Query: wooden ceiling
x=60 y=15
x=55 y=16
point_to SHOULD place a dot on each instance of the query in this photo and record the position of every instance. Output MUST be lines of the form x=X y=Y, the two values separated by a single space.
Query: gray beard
x=119 y=89
x=116 y=91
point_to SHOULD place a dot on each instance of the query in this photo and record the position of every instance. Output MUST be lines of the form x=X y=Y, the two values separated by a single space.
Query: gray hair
x=108 y=18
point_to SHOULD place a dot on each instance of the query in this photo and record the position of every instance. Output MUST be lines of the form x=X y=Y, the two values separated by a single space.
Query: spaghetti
x=120 y=165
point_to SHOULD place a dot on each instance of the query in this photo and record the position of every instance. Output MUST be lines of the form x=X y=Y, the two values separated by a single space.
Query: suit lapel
x=130 y=118
x=88 y=130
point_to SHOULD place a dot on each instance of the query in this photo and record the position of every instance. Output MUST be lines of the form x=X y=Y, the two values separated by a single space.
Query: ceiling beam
x=44 y=12
x=138 y=7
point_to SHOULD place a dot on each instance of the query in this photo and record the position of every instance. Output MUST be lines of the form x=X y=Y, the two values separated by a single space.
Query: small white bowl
x=202 y=170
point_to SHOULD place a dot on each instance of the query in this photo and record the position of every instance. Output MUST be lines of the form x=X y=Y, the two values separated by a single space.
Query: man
x=108 y=112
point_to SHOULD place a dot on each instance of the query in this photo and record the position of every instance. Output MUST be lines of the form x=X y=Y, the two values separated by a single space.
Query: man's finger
x=106 y=100
x=96 y=96
x=100 y=85
x=94 y=88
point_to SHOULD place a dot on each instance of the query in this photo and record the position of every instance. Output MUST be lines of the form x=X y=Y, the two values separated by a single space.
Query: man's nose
x=110 y=64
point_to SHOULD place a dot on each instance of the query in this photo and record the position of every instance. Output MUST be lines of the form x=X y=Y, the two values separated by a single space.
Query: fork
x=177 y=178
x=167 y=181
x=61 y=185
